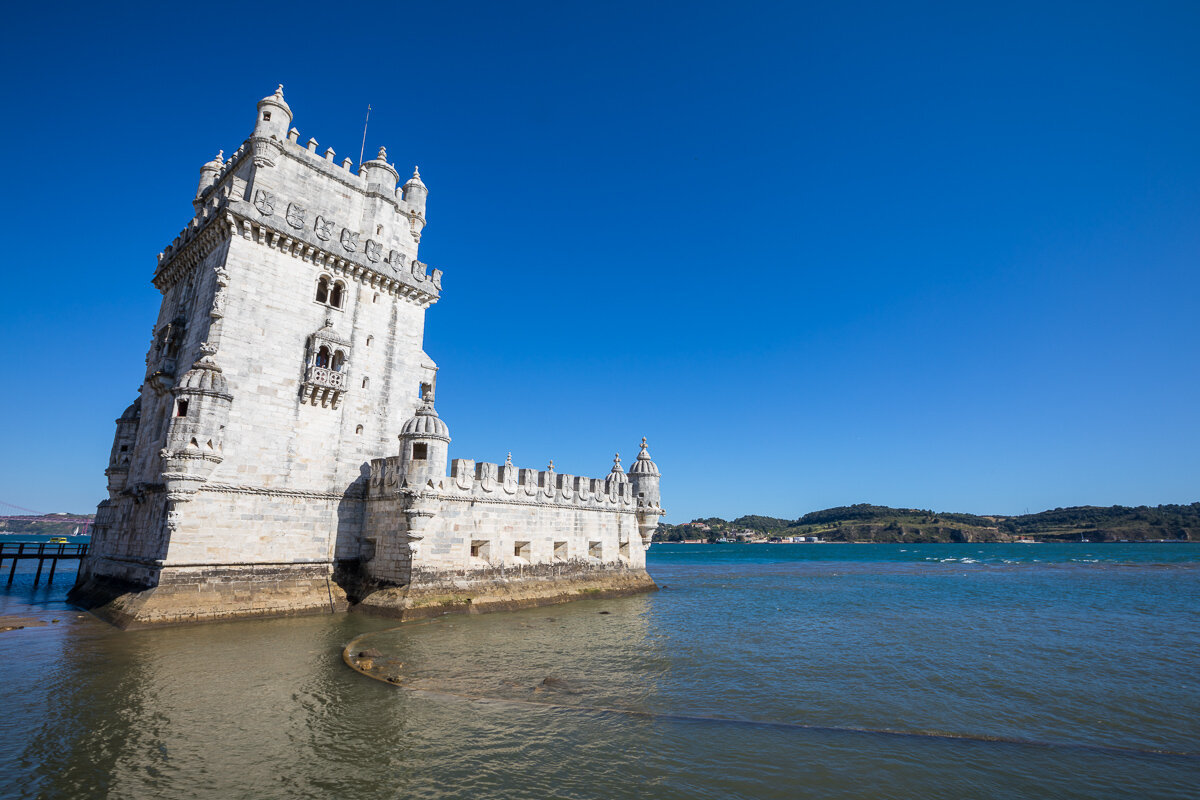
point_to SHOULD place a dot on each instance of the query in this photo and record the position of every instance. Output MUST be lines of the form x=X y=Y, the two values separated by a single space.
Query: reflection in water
x=1069 y=655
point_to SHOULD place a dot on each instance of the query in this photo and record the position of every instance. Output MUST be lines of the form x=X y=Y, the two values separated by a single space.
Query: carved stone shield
x=509 y=479
x=374 y=251
x=349 y=240
x=323 y=228
x=565 y=484
x=264 y=201
x=487 y=476
x=296 y=215
x=529 y=481
x=437 y=279
x=464 y=472
x=418 y=270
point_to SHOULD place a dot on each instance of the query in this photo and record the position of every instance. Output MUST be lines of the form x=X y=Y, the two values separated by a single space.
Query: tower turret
x=195 y=435
x=123 y=446
x=415 y=193
x=424 y=441
x=381 y=176
x=644 y=476
x=270 y=128
x=209 y=173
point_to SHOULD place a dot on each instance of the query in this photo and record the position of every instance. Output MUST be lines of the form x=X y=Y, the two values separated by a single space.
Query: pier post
x=41 y=560
x=53 y=566
x=13 y=570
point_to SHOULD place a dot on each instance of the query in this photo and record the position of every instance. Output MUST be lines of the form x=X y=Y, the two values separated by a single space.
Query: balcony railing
x=325 y=378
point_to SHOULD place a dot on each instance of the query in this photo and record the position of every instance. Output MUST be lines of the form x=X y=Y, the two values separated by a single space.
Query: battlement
x=398 y=273
x=484 y=480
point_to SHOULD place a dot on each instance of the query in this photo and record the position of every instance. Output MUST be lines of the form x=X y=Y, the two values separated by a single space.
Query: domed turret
x=274 y=116
x=197 y=429
x=644 y=477
x=423 y=446
x=123 y=447
x=205 y=377
x=415 y=193
x=380 y=175
x=209 y=173
x=617 y=473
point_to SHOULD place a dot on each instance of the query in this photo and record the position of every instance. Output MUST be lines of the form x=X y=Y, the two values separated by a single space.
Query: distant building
x=283 y=454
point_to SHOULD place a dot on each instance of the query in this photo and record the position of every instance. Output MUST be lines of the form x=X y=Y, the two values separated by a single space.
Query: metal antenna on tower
x=363 y=149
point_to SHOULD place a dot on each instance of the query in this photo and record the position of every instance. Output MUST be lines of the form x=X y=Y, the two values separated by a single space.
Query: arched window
x=339 y=358
x=359 y=430
x=323 y=290
x=336 y=296
x=323 y=356
x=366 y=382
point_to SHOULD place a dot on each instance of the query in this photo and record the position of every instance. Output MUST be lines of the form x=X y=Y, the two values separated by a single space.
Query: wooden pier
x=43 y=552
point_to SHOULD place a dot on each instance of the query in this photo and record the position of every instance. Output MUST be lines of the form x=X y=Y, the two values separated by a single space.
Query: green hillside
x=868 y=523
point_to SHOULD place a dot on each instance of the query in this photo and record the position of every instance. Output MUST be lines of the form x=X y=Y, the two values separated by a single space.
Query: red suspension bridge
x=14 y=513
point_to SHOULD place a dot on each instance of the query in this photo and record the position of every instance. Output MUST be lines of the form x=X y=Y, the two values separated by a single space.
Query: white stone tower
x=284 y=455
x=287 y=354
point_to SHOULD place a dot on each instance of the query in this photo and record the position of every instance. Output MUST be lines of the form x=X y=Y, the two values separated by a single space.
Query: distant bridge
x=29 y=515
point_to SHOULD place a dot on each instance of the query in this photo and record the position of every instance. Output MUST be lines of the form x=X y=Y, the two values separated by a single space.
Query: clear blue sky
x=923 y=254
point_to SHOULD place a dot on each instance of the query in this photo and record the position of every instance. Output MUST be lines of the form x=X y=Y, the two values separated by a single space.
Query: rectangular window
x=560 y=551
x=480 y=548
x=595 y=550
x=625 y=550
x=420 y=451
x=181 y=408
x=521 y=550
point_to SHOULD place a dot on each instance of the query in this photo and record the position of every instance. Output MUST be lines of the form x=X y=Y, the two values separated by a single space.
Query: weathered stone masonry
x=283 y=454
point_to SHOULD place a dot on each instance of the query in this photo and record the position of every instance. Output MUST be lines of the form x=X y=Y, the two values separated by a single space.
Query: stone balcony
x=323 y=386
x=325 y=378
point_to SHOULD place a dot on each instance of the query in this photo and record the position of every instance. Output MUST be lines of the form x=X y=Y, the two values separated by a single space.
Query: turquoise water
x=759 y=671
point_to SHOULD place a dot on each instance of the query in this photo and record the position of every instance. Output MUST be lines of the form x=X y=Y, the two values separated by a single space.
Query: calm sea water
x=759 y=671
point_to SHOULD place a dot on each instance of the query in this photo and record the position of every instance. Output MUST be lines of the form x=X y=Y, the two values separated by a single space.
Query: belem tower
x=284 y=454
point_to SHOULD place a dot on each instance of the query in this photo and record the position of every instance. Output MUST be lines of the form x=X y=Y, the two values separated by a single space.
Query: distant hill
x=41 y=526
x=868 y=523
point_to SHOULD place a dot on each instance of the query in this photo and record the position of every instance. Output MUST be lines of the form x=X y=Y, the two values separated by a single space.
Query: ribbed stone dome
x=132 y=413
x=425 y=424
x=643 y=465
x=204 y=376
x=617 y=474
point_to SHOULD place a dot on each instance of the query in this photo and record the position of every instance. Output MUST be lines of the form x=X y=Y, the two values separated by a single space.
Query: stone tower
x=284 y=455
x=287 y=353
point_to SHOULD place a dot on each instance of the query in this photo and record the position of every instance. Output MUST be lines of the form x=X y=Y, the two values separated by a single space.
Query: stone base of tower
x=432 y=594
x=204 y=594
